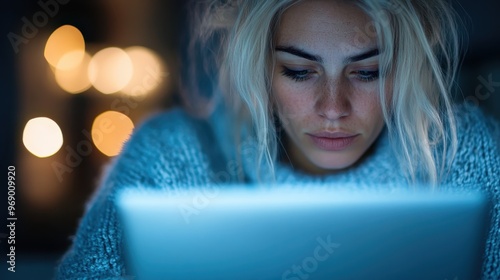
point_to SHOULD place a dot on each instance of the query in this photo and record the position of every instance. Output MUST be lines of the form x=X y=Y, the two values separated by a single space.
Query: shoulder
x=166 y=125
x=170 y=129
x=477 y=160
x=165 y=150
x=477 y=166
x=469 y=116
x=475 y=129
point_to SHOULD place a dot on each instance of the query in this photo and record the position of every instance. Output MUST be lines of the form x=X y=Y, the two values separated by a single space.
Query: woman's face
x=325 y=84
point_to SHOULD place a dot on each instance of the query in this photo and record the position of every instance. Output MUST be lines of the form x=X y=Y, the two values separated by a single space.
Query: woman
x=308 y=91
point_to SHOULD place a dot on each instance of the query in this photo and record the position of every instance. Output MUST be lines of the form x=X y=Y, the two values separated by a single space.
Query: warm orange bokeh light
x=73 y=80
x=110 y=131
x=63 y=40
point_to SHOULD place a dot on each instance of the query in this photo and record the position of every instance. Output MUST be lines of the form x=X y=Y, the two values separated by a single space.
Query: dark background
x=48 y=210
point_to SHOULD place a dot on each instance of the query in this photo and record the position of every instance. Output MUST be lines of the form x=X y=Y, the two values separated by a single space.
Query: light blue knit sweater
x=174 y=150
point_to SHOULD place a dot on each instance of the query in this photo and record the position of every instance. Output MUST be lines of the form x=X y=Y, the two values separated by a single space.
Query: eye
x=367 y=76
x=296 y=75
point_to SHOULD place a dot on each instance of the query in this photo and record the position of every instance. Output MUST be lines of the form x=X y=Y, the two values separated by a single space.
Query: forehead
x=334 y=23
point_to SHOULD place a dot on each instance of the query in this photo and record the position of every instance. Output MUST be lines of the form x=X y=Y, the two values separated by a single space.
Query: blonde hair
x=419 y=43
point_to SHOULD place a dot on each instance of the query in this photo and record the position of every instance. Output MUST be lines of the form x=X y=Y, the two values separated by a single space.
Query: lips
x=333 y=141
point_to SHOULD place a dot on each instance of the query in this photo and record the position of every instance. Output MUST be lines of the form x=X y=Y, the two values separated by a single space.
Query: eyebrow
x=301 y=53
x=362 y=56
x=298 y=52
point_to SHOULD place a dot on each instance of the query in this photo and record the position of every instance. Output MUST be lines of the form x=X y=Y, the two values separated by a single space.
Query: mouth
x=333 y=141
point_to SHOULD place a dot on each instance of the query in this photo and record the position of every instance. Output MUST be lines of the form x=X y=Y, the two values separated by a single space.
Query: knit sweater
x=174 y=150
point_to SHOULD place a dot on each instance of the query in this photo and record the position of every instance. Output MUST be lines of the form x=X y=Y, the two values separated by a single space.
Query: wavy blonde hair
x=419 y=42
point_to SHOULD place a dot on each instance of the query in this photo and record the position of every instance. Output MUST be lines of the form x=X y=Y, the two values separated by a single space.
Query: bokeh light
x=110 y=70
x=42 y=137
x=73 y=80
x=63 y=40
x=148 y=71
x=110 y=131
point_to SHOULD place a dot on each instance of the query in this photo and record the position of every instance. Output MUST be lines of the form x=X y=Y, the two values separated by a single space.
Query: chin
x=332 y=163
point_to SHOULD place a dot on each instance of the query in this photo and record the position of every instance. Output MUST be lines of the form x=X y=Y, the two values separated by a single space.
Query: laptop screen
x=313 y=233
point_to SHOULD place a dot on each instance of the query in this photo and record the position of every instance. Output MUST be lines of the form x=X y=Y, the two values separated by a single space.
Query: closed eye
x=296 y=75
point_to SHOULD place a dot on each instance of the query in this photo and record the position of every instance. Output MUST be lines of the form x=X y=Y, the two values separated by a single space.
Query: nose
x=333 y=100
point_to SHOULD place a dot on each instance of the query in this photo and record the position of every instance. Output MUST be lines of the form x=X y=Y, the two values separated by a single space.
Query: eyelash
x=367 y=76
x=303 y=75
x=296 y=75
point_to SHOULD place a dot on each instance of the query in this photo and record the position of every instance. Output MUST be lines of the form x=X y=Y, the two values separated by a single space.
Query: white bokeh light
x=42 y=137
x=110 y=70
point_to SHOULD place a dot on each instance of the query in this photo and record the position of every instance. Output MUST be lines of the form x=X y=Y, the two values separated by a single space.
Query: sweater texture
x=174 y=151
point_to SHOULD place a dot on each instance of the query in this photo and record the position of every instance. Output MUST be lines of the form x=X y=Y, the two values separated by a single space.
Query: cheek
x=366 y=106
x=291 y=100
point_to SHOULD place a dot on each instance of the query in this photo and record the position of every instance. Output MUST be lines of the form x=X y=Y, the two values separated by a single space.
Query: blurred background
x=78 y=76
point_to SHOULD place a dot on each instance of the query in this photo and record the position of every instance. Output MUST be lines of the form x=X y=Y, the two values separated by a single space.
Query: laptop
x=303 y=233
